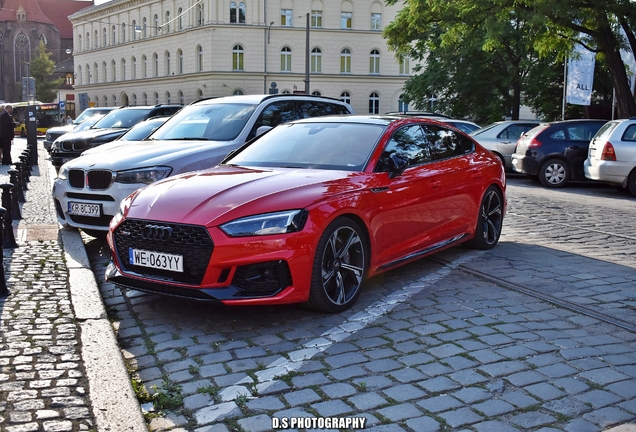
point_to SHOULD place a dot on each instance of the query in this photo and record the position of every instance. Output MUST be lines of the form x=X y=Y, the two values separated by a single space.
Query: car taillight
x=608 y=152
x=534 y=143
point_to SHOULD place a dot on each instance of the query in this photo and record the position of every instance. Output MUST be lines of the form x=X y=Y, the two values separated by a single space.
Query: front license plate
x=158 y=260
x=83 y=209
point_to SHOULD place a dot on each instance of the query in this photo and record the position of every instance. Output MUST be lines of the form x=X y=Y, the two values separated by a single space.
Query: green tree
x=42 y=69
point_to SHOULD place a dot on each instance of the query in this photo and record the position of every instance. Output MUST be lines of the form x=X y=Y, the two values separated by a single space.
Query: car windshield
x=323 y=145
x=484 y=129
x=142 y=130
x=213 y=122
x=121 y=118
x=88 y=123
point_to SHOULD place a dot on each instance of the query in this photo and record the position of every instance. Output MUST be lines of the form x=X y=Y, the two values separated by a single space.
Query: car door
x=507 y=139
x=576 y=146
x=422 y=206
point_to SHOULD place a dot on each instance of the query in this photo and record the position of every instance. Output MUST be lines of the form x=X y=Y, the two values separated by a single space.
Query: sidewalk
x=60 y=365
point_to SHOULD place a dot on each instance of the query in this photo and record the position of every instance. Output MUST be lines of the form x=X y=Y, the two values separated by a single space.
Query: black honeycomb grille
x=99 y=179
x=190 y=241
x=76 y=178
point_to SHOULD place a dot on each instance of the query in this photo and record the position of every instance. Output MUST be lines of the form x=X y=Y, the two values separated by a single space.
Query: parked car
x=612 y=154
x=55 y=132
x=501 y=137
x=88 y=189
x=108 y=128
x=138 y=132
x=463 y=125
x=553 y=153
x=309 y=210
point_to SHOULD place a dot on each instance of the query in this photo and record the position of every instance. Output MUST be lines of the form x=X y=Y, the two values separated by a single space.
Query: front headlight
x=266 y=224
x=55 y=146
x=142 y=175
x=62 y=174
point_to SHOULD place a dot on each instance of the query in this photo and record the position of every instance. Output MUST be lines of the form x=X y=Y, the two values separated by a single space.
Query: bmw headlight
x=142 y=175
x=62 y=174
x=55 y=146
x=266 y=224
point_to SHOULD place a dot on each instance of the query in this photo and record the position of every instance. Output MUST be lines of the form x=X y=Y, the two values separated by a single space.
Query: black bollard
x=16 y=214
x=17 y=186
x=4 y=292
x=18 y=166
x=26 y=160
x=23 y=174
x=9 y=238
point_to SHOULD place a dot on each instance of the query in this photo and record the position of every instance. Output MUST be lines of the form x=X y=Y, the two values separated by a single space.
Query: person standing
x=7 y=131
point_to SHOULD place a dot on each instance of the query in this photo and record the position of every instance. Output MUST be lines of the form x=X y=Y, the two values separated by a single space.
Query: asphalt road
x=537 y=334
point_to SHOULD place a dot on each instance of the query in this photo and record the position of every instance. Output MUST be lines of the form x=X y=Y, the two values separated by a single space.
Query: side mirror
x=262 y=129
x=397 y=164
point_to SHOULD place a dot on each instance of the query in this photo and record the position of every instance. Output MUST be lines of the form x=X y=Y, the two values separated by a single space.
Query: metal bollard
x=4 y=292
x=9 y=238
x=26 y=160
x=23 y=174
x=18 y=166
x=17 y=187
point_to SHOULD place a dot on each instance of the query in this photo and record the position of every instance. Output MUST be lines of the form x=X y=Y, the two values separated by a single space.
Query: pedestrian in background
x=7 y=131
x=69 y=120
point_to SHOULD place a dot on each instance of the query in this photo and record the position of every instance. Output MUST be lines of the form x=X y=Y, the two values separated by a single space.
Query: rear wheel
x=631 y=183
x=554 y=173
x=489 y=222
x=340 y=266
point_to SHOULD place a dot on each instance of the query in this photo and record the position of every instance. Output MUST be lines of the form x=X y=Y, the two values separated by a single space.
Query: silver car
x=612 y=155
x=501 y=137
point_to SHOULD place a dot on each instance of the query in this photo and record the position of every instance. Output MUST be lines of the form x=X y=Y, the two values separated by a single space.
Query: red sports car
x=309 y=210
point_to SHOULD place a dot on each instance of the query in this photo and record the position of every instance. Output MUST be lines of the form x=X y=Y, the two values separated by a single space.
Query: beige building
x=139 y=52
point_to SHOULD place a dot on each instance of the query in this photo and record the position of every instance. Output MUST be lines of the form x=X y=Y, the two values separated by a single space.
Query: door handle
x=435 y=184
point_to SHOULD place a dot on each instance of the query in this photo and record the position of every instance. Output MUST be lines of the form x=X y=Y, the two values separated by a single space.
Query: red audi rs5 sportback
x=307 y=211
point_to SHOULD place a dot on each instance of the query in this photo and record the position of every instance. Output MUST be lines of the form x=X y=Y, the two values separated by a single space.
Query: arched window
x=88 y=74
x=199 y=58
x=374 y=103
x=133 y=30
x=405 y=67
x=374 y=62
x=199 y=94
x=316 y=93
x=167 y=97
x=233 y=13
x=95 y=73
x=104 y=37
x=402 y=106
x=96 y=39
x=144 y=97
x=156 y=95
x=134 y=99
x=97 y=101
x=166 y=59
x=123 y=33
x=123 y=69
x=144 y=28
x=155 y=64
x=345 y=97
x=237 y=58
x=237 y=14
x=22 y=53
x=79 y=41
x=316 y=60
x=113 y=36
x=181 y=98
x=104 y=72
x=166 y=26
x=144 y=66
x=88 y=41
x=237 y=92
x=345 y=61
x=286 y=59
x=155 y=20
x=114 y=100
x=113 y=70
x=200 y=20
x=79 y=74
x=180 y=18
x=180 y=62
x=133 y=65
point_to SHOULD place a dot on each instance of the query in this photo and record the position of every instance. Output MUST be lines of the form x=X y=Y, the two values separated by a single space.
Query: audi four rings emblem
x=156 y=232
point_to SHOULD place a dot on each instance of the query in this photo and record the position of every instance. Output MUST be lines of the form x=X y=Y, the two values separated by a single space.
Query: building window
x=402 y=106
x=133 y=32
x=180 y=18
x=316 y=93
x=180 y=62
x=96 y=39
x=123 y=32
x=200 y=20
x=285 y=59
x=97 y=101
x=113 y=71
x=374 y=62
x=405 y=68
x=113 y=36
x=104 y=37
x=123 y=69
x=88 y=74
x=156 y=95
x=167 y=97
x=96 y=70
x=155 y=20
x=79 y=74
x=316 y=60
x=155 y=63
x=134 y=99
x=199 y=94
x=144 y=66
x=316 y=18
x=374 y=103
x=166 y=59
x=134 y=68
x=104 y=72
x=345 y=20
x=199 y=58
x=237 y=14
x=237 y=92
x=237 y=58
x=345 y=61
x=345 y=97
x=166 y=25
x=286 y=17
x=376 y=21
x=144 y=28
x=145 y=98
x=181 y=98
x=88 y=41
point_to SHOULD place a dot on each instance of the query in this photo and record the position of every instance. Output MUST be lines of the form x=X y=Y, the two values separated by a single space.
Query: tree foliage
x=42 y=69
x=483 y=58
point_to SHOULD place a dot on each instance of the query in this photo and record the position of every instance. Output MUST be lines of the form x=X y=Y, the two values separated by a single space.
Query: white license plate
x=83 y=209
x=592 y=152
x=158 y=260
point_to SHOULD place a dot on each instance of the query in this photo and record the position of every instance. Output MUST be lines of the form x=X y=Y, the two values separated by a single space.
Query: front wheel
x=554 y=173
x=631 y=183
x=489 y=222
x=340 y=266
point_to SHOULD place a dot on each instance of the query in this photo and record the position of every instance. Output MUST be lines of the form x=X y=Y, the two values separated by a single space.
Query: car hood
x=93 y=134
x=147 y=153
x=218 y=195
x=61 y=129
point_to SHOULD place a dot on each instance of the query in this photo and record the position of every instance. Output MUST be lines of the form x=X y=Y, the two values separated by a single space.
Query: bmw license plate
x=83 y=209
x=157 y=260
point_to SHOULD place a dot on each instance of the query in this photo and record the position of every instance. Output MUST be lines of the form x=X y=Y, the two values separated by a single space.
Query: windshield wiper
x=186 y=138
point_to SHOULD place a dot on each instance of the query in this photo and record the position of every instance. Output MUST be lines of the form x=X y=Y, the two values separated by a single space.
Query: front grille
x=190 y=241
x=101 y=221
x=73 y=145
x=99 y=179
x=76 y=178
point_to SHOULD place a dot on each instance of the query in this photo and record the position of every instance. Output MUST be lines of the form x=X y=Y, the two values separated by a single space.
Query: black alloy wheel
x=489 y=222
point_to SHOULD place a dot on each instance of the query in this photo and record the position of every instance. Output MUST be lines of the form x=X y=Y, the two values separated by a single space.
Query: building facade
x=138 y=52
x=23 y=24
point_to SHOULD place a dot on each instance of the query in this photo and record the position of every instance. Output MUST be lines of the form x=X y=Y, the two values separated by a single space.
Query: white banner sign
x=580 y=77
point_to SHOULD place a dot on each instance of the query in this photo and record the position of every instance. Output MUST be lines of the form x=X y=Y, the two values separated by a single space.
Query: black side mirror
x=397 y=164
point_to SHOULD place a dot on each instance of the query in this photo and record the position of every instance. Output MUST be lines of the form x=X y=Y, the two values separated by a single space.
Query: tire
x=489 y=222
x=534 y=178
x=554 y=173
x=631 y=182
x=340 y=267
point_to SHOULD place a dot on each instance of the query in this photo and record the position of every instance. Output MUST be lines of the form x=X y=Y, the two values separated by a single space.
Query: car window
x=164 y=111
x=122 y=118
x=582 y=132
x=410 y=143
x=309 y=109
x=275 y=114
x=515 y=131
x=630 y=133
x=606 y=130
x=446 y=143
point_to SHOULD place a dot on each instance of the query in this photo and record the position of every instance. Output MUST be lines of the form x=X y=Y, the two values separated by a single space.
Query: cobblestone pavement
x=42 y=382
x=538 y=334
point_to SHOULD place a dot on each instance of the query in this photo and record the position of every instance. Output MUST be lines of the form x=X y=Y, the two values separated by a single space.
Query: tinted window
x=445 y=143
x=318 y=108
x=275 y=114
x=164 y=111
x=630 y=133
x=515 y=131
x=410 y=143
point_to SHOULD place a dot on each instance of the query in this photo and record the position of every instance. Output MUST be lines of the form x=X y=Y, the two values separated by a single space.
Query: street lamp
x=307 y=57
x=268 y=30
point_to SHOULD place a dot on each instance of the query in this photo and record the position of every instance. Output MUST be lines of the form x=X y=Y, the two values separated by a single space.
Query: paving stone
x=494 y=407
x=446 y=350
x=598 y=398
x=532 y=419
x=310 y=380
x=440 y=403
x=259 y=423
x=525 y=378
x=567 y=407
x=402 y=393
x=607 y=416
x=471 y=395
x=380 y=366
x=558 y=370
x=519 y=399
x=438 y=384
x=301 y=397
x=423 y=424
x=407 y=375
x=571 y=385
x=348 y=372
x=603 y=376
x=268 y=403
x=367 y=401
x=332 y=408
x=544 y=391
x=400 y=412
x=434 y=369
x=503 y=368
x=580 y=425
x=494 y=426
x=461 y=417
x=626 y=388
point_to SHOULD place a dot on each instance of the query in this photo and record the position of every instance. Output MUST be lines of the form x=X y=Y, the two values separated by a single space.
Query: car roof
x=149 y=107
x=378 y=119
x=260 y=98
